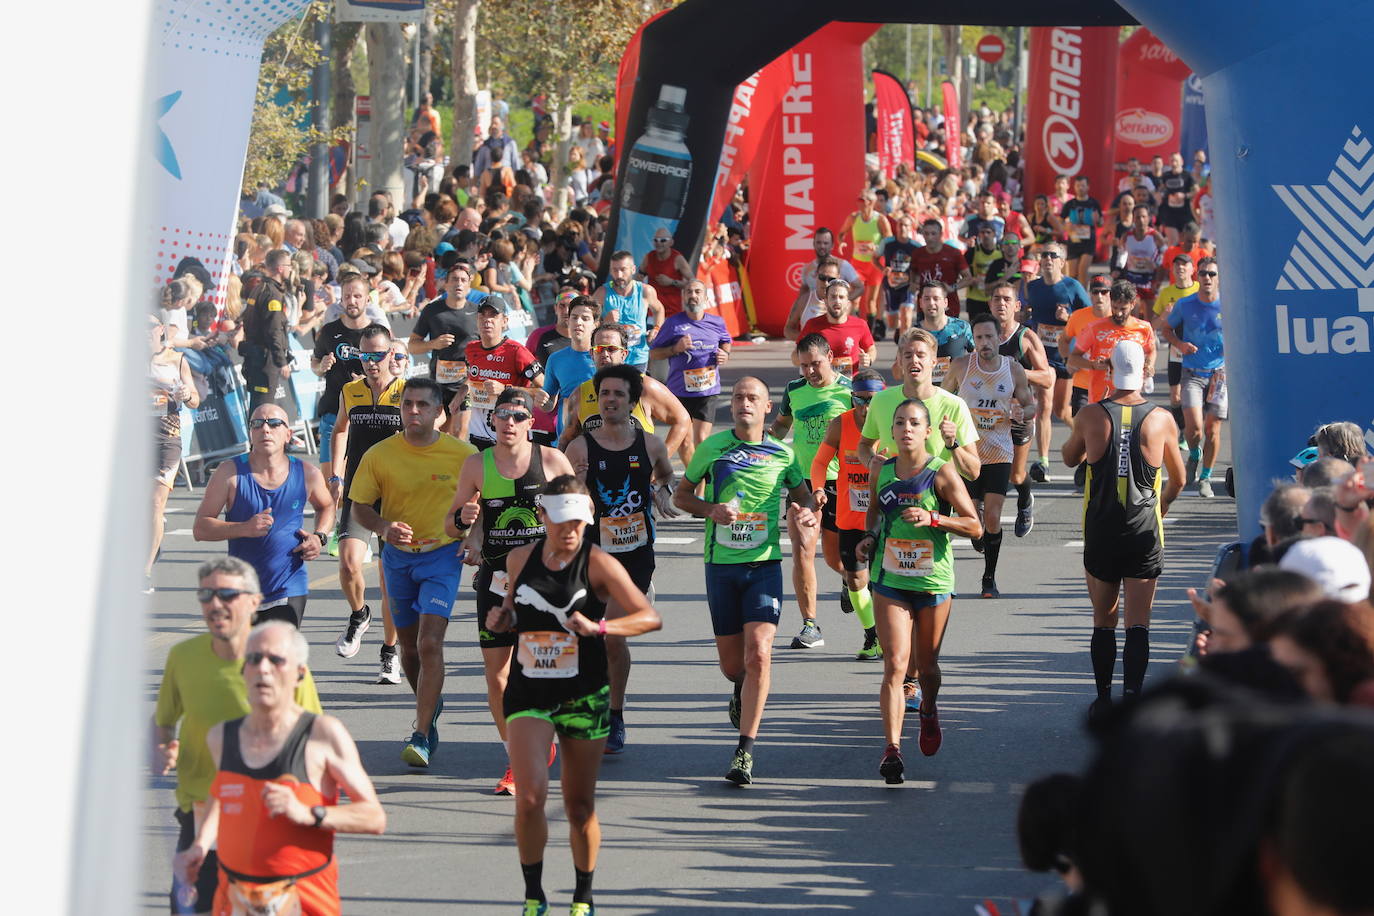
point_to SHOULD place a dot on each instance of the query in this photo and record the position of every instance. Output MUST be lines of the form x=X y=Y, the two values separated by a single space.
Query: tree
x=343 y=41
x=464 y=80
x=386 y=61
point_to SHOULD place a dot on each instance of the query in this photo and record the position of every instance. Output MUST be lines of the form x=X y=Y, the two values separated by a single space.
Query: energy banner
x=1069 y=107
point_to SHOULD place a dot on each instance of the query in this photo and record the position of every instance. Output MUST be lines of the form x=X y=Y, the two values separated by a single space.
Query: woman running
x=558 y=680
x=907 y=546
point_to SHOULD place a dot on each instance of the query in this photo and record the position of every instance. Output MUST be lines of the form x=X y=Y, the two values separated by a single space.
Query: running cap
x=1128 y=365
x=1101 y=281
x=1337 y=565
x=518 y=397
x=362 y=267
x=568 y=507
x=490 y=301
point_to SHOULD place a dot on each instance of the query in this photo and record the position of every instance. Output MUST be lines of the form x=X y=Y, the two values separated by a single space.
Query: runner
x=866 y=227
x=443 y=330
x=497 y=491
x=569 y=367
x=1181 y=284
x=814 y=399
x=695 y=345
x=1143 y=249
x=567 y=596
x=1007 y=266
x=201 y=686
x=849 y=336
x=979 y=257
x=1092 y=348
x=1175 y=192
x=496 y=362
x=1125 y=441
x=896 y=295
x=658 y=406
x=275 y=800
x=745 y=470
x=632 y=305
x=942 y=262
x=412 y=477
x=810 y=301
x=369 y=412
x=667 y=271
x=1194 y=327
x=1080 y=218
x=344 y=332
x=953 y=337
x=995 y=388
x=543 y=343
x=1052 y=298
x=172 y=386
x=263 y=495
x=841 y=444
x=1099 y=292
x=629 y=474
x=1022 y=344
x=907 y=546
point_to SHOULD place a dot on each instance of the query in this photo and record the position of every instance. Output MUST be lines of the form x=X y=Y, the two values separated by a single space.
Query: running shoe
x=809 y=638
x=615 y=741
x=891 y=766
x=1098 y=709
x=148 y=588
x=1038 y=470
x=1204 y=488
x=1080 y=476
x=734 y=709
x=351 y=641
x=434 y=726
x=1191 y=466
x=911 y=692
x=990 y=588
x=931 y=735
x=390 y=672
x=507 y=784
x=416 y=750
x=741 y=768
x=846 y=604
x=977 y=544
x=1025 y=519
x=582 y=909
x=535 y=908
x=871 y=649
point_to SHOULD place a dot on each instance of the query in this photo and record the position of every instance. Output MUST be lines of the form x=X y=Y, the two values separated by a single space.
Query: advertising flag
x=1070 y=103
x=896 y=143
x=954 y=134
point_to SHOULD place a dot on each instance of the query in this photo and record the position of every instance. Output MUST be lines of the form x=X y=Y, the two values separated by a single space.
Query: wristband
x=935 y=520
x=601 y=627
x=335 y=479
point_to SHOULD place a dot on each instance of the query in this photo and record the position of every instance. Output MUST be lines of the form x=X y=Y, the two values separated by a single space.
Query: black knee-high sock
x=1023 y=493
x=992 y=546
x=1134 y=657
x=534 y=881
x=1177 y=411
x=582 y=891
x=1103 y=651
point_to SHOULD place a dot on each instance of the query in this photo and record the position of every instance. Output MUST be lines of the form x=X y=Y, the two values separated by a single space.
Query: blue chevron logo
x=166 y=156
x=1335 y=246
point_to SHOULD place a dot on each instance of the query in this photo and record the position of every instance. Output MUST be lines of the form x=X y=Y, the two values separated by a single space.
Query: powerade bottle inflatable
x=657 y=176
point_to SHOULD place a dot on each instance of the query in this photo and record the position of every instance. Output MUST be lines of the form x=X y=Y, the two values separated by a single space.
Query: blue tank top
x=280 y=572
x=635 y=314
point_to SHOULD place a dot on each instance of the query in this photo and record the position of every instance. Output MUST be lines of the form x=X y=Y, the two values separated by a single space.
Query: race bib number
x=624 y=533
x=941 y=368
x=450 y=371
x=909 y=557
x=1216 y=387
x=500 y=582
x=548 y=654
x=858 y=498
x=864 y=251
x=1080 y=233
x=635 y=335
x=699 y=380
x=275 y=897
x=1176 y=200
x=1139 y=265
x=482 y=398
x=160 y=400
x=749 y=530
x=844 y=365
x=1049 y=334
x=986 y=418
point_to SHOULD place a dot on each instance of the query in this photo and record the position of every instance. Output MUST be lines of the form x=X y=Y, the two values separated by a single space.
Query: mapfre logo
x=1334 y=251
x=1142 y=127
x=794 y=274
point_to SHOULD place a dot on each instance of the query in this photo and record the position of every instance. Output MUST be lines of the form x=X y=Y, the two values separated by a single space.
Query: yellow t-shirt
x=415 y=485
x=941 y=405
x=588 y=409
x=1171 y=294
x=201 y=690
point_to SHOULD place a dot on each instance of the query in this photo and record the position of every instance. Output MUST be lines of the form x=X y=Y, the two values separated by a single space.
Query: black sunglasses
x=255 y=658
x=1050 y=254
x=204 y=595
x=519 y=416
x=1206 y=273
x=273 y=422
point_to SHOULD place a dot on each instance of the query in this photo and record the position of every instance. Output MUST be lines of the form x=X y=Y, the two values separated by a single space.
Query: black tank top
x=543 y=599
x=290 y=760
x=622 y=486
x=1015 y=347
x=509 y=519
x=1122 y=492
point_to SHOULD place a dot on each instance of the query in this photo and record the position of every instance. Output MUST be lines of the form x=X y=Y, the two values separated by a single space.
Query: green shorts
x=584 y=718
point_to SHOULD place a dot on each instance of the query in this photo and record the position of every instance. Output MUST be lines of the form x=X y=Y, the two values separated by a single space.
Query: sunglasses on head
x=519 y=416
x=255 y=658
x=204 y=595
x=270 y=422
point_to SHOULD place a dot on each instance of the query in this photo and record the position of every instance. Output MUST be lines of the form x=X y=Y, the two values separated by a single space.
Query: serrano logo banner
x=1143 y=128
x=1069 y=109
x=1149 y=96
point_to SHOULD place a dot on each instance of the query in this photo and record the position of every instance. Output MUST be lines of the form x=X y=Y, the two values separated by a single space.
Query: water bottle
x=657 y=176
x=735 y=501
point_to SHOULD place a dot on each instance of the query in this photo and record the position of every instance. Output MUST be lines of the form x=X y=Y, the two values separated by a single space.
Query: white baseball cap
x=1335 y=564
x=1128 y=365
x=566 y=507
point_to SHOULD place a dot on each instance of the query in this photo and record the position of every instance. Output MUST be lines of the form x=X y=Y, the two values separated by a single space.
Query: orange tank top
x=270 y=857
x=851 y=487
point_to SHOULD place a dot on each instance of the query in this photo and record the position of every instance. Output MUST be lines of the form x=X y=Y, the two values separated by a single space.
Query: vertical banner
x=811 y=169
x=1193 y=131
x=752 y=106
x=954 y=131
x=892 y=107
x=1070 y=101
x=1149 y=82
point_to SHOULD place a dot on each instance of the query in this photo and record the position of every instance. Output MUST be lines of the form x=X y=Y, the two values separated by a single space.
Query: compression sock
x=746 y=744
x=1023 y=495
x=1204 y=474
x=992 y=546
x=862 y=602
x=1177 y=411
x=1134 y=657
x=1194 y=453
x=1103 y=652
x=534 y=881
x=582 y=890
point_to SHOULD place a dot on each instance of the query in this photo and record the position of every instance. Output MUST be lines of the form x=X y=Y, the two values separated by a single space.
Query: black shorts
x=1076 y=250
x=207 y=882
x=702 y=408
x=486 y=600
x=451 y=392
x=1116 y=557
x=1078 y=399
x=1175 y=373
x=1174 y=217
x=1057 y=363
x=1022 y=433
x=828 y=510
x=849 y=546
x=290 y=610
x=640 y=564
x=993 y=478
x=347 y=526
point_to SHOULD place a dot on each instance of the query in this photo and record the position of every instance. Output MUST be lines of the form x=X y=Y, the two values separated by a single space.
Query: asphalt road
x=818 y=830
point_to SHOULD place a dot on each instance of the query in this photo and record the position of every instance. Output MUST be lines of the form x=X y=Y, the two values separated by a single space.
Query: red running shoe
x=931 y=736
x=507 y=784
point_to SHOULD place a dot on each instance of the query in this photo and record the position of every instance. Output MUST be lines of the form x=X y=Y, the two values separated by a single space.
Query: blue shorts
x=913 y=600
x=326 y=434
x=421 y=583
x=740 y=593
